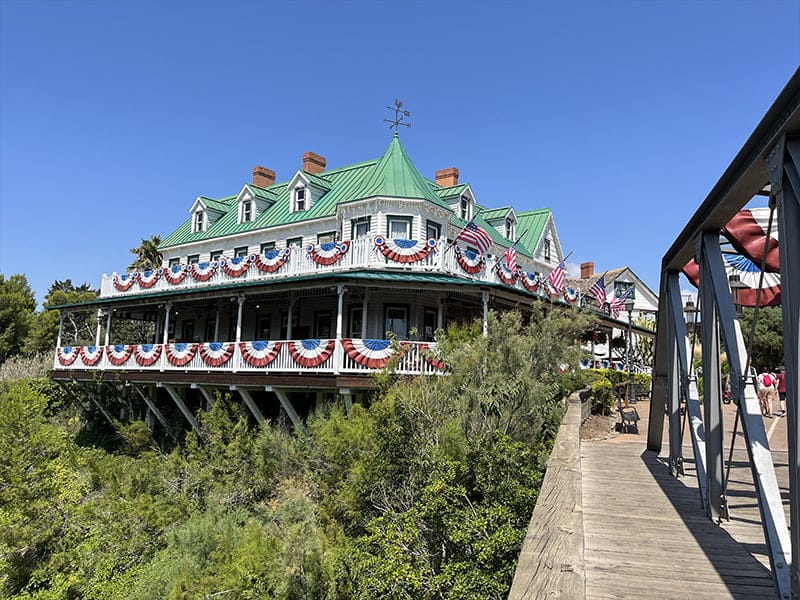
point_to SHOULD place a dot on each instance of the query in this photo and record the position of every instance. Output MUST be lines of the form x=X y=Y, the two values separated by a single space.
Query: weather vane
x=399 y=113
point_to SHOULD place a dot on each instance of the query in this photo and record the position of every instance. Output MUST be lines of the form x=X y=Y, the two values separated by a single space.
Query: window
x=429 y=318
x=432 y=230
x=547 y=249
x=240 y=252
x=211 y=329
x=175 y=261
x=510 y=228
x=620 y=287
x=356 y=320
x=398 y=228
x=263 y=327
x=199 y=221
x=326 y=238
x=297 y=241
x=396 y=321
x=187 y=331
x=247 y=211
x=464 y=208
x=193 y=259
x=322 y=325
x=267 y=246
x=300 y=198
x=361 y=228
x=216 y=255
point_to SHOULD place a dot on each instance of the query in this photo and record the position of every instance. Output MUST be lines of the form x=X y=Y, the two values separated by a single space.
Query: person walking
x=766 y=389
x=781 y=384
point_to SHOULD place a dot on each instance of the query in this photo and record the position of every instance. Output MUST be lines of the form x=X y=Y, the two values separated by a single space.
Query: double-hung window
x=361 y=227
x=464 y=208
x=247 y=211
x=267 y=246
x=398 y=228
x=199 y=221
x=547 y=250
x=240 y=252
x=433 y=230
x=326 y=238
x=300 y=199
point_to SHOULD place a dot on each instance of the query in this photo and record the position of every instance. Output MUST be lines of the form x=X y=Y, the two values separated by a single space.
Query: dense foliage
x=424 y=493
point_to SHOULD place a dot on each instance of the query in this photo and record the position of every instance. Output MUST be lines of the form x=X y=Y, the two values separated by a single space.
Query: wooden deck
x=644 y=533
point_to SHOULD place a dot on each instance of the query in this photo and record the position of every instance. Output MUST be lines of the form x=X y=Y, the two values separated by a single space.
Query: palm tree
x=147 y=254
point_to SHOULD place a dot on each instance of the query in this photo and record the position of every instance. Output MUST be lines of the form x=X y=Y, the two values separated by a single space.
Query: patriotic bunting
x=505 y=275
x=175 y=274
x=180 y=354
x=571 y=295
x=311 y=353
x=259 y=354
x=471 y=262
x=327 y=253
x=749 y=274
x=373 y=354
x=146 y=354
x=91 y=355
x=202 y=271
x=429 y=354
x=235 y=267
x=747 y=232
x=404 y=251
x=147 y=279
x=118 y=354
x=272 y=260
x=124 y=282
x=530 y=281
x=216 y=353
x=67 y=355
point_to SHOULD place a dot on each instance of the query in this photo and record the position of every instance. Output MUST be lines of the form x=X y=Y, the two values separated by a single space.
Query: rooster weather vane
x=399 y=113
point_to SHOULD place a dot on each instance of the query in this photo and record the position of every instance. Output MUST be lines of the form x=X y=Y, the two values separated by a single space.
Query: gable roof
x=532 y=223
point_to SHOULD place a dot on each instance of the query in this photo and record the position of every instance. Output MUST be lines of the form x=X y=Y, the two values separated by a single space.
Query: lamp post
x=736 y=285
x=690 y=310
x=629 y=307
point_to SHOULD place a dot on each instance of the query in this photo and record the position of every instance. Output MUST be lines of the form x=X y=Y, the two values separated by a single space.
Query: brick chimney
x=313 y=163
x=587 y=270
x=263 y=177
x=447 y=177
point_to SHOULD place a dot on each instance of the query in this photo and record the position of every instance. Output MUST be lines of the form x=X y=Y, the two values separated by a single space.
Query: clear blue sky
x=620 y=116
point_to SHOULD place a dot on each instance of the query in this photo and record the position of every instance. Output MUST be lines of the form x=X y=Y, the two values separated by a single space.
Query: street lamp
x=736 y=286
x=629 y=307
x=690 y=310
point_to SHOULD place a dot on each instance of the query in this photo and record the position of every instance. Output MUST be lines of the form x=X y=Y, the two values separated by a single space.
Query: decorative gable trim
x=203 y=215
x=250 y=204
x=457 y=205
x=304 y=191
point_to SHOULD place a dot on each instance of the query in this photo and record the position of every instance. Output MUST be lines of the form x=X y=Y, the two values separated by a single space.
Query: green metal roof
x=531 y=223
x=495 y=213
x=496 y=236
x=450 y=192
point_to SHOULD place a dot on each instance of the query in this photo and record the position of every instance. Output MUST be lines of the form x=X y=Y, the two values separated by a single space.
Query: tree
x=767 y=348
x=147 y=254
x=17 y=304
x=78 y=325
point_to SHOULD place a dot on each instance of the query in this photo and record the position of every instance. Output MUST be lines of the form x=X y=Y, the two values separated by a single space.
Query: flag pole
x=451 y=244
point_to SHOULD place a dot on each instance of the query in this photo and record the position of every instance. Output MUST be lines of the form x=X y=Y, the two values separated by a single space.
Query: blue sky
x=619 y=116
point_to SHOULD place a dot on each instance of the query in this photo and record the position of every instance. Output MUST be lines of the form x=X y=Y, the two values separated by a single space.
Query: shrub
x=602 y=397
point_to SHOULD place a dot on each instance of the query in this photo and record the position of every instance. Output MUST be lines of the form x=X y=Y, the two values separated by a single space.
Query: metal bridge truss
x=768 y=163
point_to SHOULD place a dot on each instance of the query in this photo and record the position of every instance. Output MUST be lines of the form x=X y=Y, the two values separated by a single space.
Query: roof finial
x=399 y=113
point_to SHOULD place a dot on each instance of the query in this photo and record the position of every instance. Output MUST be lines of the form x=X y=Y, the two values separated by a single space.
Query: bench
x=638 y=391
x=628 y=418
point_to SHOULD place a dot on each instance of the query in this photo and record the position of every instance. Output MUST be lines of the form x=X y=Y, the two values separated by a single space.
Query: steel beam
x=784 y=170
x=673 y=391
x=664 y=355
x=176 y=397
x=743 y=390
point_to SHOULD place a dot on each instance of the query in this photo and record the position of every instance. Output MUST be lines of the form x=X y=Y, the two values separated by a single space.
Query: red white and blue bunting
x=124 y=282
x=67 y=355
x=118 y=354
x=147 y=279
x=180 y=354
x=471 y=262
x=404 y=251
x=327 y=253
x=202 y=271
x=216 y=353
x=311 y=353
x=236 y=266
x=373 y=354
x=530 y=281
x=91 y=355
x=272 y=260
x=146 y=354
x=175 y=274
x=505 y=274
x=259 y=354
x=430 y=357
x=571 y=295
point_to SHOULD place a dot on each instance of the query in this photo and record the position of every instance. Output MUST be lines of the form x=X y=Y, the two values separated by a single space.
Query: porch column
x=337 y=348
x=364 y=314
x=108 y=326
x=485 y=298
x=440 y=313
x=167 y=309
x=99 y=324
x=239 y=319
x=216 y=325
x=60 y=328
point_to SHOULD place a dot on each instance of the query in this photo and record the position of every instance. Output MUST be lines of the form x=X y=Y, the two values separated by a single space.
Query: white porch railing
x=287 y=356
x=286 y=263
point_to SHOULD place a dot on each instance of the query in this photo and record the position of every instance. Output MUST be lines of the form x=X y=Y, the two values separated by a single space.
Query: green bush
x=602 y=397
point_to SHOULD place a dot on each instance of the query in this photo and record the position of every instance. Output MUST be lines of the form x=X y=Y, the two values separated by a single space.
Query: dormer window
x=199 y=221
x=247 y=211
x=509 y=228
x=300 y=198
x=464 y=208
x=547 y=250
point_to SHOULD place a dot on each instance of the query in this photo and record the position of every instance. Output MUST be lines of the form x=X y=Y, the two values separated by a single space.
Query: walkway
x=644 y=532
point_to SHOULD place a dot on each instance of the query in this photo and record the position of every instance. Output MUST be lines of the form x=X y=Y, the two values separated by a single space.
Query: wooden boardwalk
x=644 y=534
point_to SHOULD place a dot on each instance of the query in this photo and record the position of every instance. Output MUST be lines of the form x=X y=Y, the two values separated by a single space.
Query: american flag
x=556 y=277
x=511 y=258
x=618 y=304
x=473 y=235
x=598 y=290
